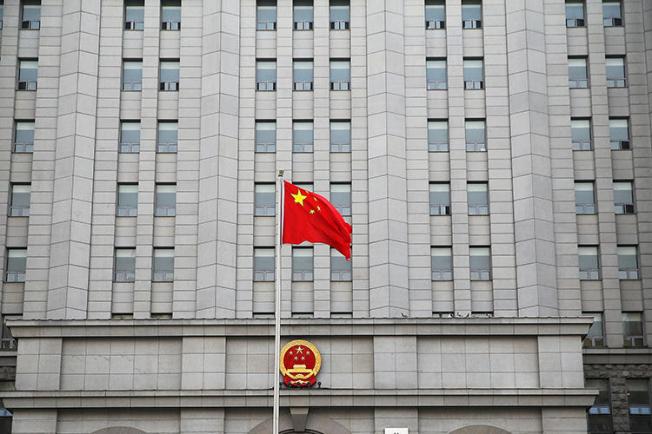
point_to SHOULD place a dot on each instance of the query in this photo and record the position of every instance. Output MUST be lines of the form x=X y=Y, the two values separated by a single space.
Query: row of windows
x=578 y=72
x=633 y=333
x=585 y=198
x=612 y=13
x=639 y=408
x=589 y=262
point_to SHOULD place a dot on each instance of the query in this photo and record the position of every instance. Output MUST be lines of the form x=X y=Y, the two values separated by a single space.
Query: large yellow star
x=298 y=197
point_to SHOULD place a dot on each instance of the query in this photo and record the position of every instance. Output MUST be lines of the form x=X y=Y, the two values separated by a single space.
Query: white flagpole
x=277 y=304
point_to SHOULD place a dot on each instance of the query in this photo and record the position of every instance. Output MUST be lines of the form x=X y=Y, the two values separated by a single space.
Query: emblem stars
x=300 y=362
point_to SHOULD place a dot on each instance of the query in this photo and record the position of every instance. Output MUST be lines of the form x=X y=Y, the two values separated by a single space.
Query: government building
x=493 y=157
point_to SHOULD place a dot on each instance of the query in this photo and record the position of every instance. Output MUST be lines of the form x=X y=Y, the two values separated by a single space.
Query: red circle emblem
x=300 y=362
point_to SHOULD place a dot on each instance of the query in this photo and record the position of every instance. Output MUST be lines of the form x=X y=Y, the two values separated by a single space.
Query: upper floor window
x=578 y=75
x=440 y=198
x=132 y=75
x=619 y=134
x=168 y=136
x=584 y=198
x=302 y=136
x=599 y=414
x=341 y=198
x=589 y=262
x=441 y=263
x=27 y=74
x=628 y=268
x=623 y=197
x=265 y=136
x=265 y=75
x=436 y=75
x=340 y=14
x=24 y=136
x=303 y=14
x=616 y=76
x=633 y=329
x=575 y=13
x=340 y=74
x=302 y=73
x=171 y=15
x=612 y=13
x=435 y=14
x=16 y=265
x=595 y=336
x=478 y=198
x=124 y=265
x=473 y=74
x=340 y=135
x=169 y=75
x=264 y=264
x=340 y=267
x=581 y=134
x=471 y=14
x=127 y=205
x=2 y=13
x=166 y=200
x=638 y=400
x=129 y=137
x=20 y=200
x=480 y=263
x=30 y=15
x=163 y=265
x=302 y=264
x=266 y=15
x=438 y=135
x=134 y=14
x=265 y=200
x=475 y=136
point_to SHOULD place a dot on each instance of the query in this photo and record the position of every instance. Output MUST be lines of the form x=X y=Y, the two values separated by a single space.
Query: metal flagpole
x=277 y=304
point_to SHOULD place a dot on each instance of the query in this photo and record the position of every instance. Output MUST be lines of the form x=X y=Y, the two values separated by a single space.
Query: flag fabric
x=310 y=217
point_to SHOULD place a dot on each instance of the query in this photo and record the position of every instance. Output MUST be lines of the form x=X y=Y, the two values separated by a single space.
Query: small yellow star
x=318 y=208
x=299 y=197
x=312 y=211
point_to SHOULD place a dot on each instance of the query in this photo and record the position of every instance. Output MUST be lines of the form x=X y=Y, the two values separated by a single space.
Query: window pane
x=125 y=265
x=341 y=198
x=163 y=265
x=132 y=75
x=471 y=11
x=127 y=199
x=266 y=15
x=611 y=9
x=265 y=200
x=263 y=264
x=28 y=71
x=581 y=134
x=441 y=263
x=633 y=329
x=440 y=199
x=584 y=198
x=20 y=200
x=619 y=134
x=24 y=136
x=589 y=263
x=302 y=264
x=171 y=12
x=31 y=12
x=135 y=13
x=129 y=136
x=168 y=136
x=628 y=262
x=265 y=136
x=340 y=70
x=166 y=200
x=478 y=199
x=340 y=135
x=302 y=11
x=475 y=136
x=339 y=11
x=473 y=70
x=435 y=11
x=574 y=10
x=438 y=136
x=595 y=335
x=436 y=74
x=623 y=197
x=480 y=263
x=265 y=71
x=16 y=265
x=340 y=267
x=302 y=137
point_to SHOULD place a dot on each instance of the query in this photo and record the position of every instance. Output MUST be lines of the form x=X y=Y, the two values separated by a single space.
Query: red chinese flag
x=310 y=217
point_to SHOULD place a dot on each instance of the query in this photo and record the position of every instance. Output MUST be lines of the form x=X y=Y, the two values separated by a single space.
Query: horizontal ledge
x=555 y=326
x=309 y=398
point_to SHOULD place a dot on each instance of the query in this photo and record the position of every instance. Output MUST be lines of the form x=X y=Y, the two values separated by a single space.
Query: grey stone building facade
x=494 y=158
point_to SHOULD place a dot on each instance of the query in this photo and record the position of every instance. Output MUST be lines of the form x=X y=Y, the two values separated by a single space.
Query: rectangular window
x=129 y=137
x=628 y=268
x=124 y=267
x=435 y=14
x=27 y=74
x=166 y=200
x=163 y=265
x=24 y=136
x=168 y=137
x=473 y=74
x=440 y=199
x=266 y=75
x=480 y=263
x=30 y=15
x=589 y=262
x=619 y=133
x=263 y=264
x=266 y=15
x=441 y=263
x=471 y=14
x=633 y=329
x=303 y=14
x=302 y=264
x=623 y=197
x=2 y=14
x=265 y=136
x=340 y=136
x=132 y=75
x=436 y=74
x=340 y=75
x=575 y=13
x=171 y=15
x=578 y=75
x=302 y=74
x=612 y=13
x=638 y=400
x=20 y=200
x=478 y=198
x=584 y=198
x=302 y=136
x=616 y=76
x=134 y=14
x=341 y=198
x=169 y=76
x=127 y=205
x=438 y=136
x=340 y=267
x=265 y=200
x=474 y=132
x=16 y=265
x=599 y=414
x=581 y=134
x=595 y=336
x=340 y=14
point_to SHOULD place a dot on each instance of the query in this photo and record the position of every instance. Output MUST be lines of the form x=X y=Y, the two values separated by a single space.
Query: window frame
x=164 y=275
x=441 y=274
x=301 y=275
x=23 y=147
x=122 y=210
x=578 y=83
x=131 y=86
x=15 y=275
x=164 y=211
x=129 y=275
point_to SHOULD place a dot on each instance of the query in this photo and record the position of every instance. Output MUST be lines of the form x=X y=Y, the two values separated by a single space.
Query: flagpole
x=277 y=305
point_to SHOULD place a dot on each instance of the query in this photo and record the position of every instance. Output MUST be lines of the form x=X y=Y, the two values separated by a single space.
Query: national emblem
x=300 y=362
